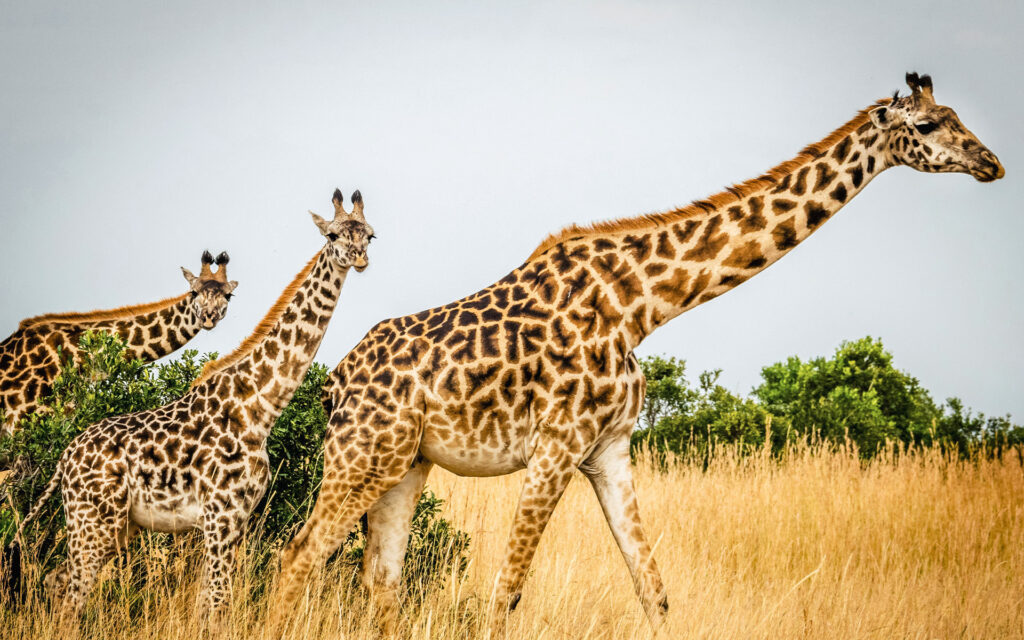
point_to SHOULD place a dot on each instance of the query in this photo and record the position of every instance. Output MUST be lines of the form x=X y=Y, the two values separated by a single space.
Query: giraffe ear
x=320 y=223
x=882 y=117
x=193 y=281
x=231 y=286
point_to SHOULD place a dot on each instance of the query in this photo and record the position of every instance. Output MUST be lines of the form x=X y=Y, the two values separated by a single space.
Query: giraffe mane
x=101 y=314
x=262 y=330
x=731 y=194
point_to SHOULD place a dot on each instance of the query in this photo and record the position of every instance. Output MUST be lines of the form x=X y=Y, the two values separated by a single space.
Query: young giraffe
x=537 y=371
x=30 y=357
x=201 y=461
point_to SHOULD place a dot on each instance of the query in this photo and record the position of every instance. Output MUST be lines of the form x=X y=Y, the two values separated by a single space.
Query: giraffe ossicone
x=537 y=370
x=200 y=462
x=29 y=359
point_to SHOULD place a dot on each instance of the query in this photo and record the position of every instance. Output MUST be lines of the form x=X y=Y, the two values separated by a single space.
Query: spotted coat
x=537 y=370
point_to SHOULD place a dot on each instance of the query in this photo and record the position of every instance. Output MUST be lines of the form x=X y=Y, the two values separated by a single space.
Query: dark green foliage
x=436 y=549
x=295 y=447
x=856 y=395
x=692 y=420
x=104 y=383
x=959 y=428
x=668 y=391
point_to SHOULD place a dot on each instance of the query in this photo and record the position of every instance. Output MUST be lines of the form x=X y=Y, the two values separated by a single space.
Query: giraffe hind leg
x=611 y=475
x=387 y=537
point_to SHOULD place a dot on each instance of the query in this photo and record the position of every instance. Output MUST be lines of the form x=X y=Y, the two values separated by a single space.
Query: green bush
x=855 y=396
x=690 y=421
x=435 y=549
x=104 y=383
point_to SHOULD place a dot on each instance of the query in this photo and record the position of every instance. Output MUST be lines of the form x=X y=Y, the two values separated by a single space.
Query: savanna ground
x=817 y=544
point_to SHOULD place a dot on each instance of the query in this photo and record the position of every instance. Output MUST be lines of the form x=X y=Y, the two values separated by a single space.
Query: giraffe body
x=537 y=371
x=200 y=462
x=30 y=358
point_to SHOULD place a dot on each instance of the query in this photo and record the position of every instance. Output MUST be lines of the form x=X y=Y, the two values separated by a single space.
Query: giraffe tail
x=11 y=562
x=41 y=502
x=10 y=569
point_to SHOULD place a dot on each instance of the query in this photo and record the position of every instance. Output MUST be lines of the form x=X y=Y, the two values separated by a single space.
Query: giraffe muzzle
x=988 y=167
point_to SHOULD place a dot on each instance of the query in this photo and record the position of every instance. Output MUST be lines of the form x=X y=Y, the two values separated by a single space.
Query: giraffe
x=201 y=461
x=30 y=358
x=537 y=370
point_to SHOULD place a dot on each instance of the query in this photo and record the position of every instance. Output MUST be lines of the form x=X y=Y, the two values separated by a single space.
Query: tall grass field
x=817 y=543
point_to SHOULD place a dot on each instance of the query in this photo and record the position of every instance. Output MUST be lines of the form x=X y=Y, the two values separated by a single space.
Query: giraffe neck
x=655 y=267
x=158 y=330
x=263 y=374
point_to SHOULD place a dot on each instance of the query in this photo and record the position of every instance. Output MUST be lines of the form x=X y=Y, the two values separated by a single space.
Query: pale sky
x=135 y=135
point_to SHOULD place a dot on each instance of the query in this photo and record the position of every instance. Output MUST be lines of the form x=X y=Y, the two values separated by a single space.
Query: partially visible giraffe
x=537 y=370
x=30 y=358
x=201 y=461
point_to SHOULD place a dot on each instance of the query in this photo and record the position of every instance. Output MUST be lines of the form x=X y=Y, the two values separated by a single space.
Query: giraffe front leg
x=386 y=540
x=611 y=474
x=222 y=532
x=547 y=475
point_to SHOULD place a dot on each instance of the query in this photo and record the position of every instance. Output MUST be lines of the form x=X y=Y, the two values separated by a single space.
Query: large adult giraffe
x=538 y=371
x=30 y=357
x=200 y=462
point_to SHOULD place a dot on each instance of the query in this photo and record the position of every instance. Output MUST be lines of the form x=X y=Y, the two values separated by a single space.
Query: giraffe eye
x=332 y=236
x=228 y=296
x=924 y=128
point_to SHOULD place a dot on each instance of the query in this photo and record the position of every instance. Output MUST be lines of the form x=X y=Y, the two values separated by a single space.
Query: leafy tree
x=965 y=431
x=668 y=392
x=856 y=395
x=687 y=419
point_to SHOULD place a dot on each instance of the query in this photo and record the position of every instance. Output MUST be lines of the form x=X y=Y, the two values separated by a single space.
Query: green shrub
x=856 y=396
x=104 y=383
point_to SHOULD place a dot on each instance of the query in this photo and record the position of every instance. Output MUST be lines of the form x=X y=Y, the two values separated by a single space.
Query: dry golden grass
x=819 y=545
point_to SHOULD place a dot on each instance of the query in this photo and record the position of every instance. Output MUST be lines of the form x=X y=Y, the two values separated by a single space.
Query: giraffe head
x=347 y=234
x=930 y=137
x=210 y=290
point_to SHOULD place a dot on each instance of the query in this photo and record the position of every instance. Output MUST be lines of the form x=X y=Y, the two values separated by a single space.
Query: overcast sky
x=135 y=135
